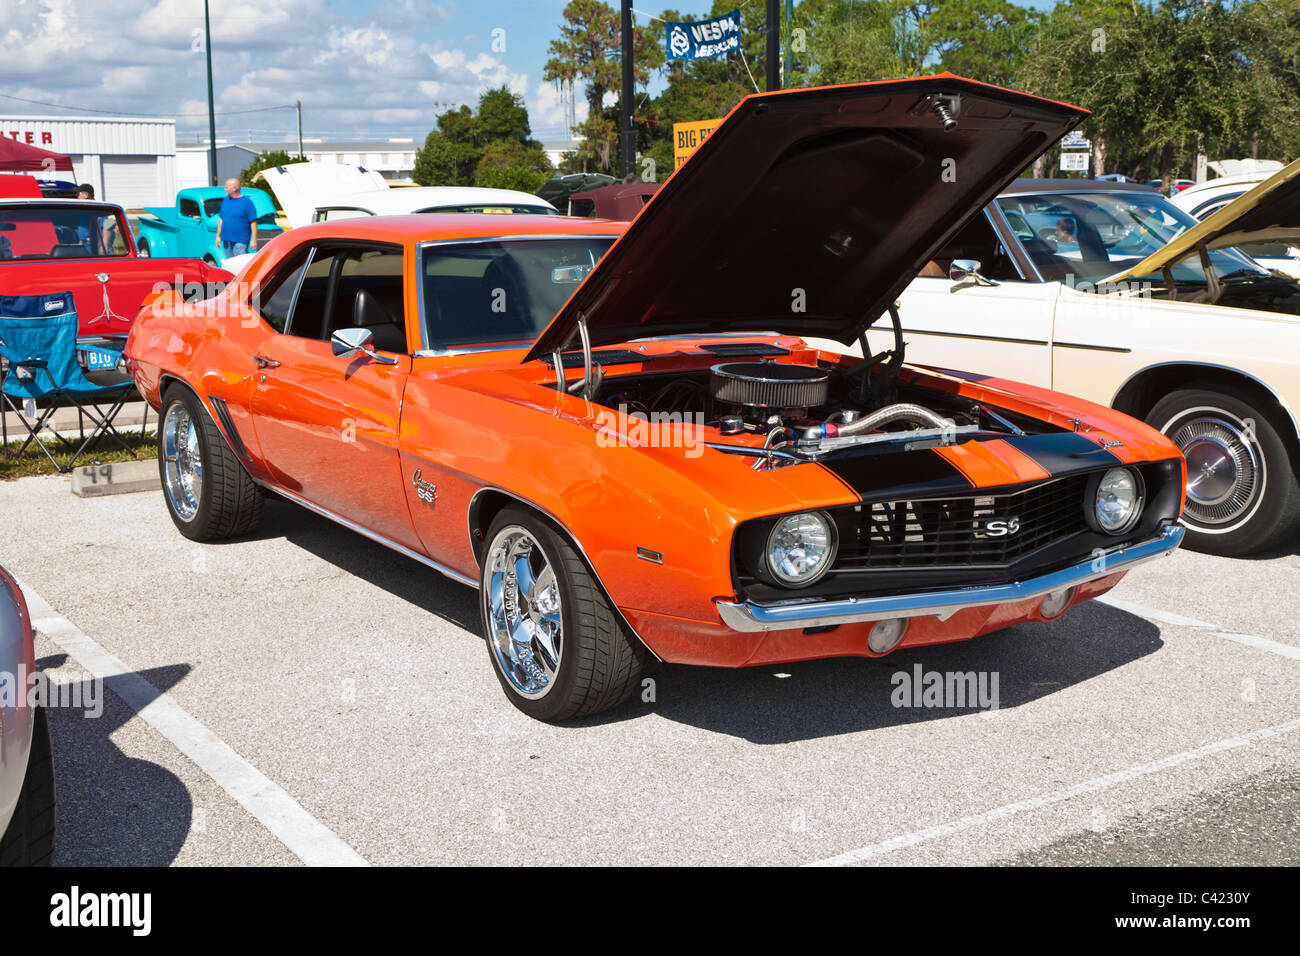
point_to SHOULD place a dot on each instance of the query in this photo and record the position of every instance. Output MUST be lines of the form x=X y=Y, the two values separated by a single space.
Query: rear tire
x=29 y=839
x=209 y=495
x=143 y=248
x=557 y=645
x=1242 y=493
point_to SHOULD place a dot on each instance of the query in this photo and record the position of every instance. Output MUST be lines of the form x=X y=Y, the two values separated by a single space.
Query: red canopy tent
x=16 y=157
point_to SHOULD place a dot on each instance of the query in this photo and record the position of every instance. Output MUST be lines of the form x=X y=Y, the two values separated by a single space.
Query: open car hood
x=302 y=187
x=807 y=211
x=1268 y=213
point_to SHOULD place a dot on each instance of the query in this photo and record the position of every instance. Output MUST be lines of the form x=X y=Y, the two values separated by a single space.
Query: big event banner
x=688 y=136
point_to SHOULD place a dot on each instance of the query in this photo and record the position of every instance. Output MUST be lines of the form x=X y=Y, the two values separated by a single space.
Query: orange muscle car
x=617 y=434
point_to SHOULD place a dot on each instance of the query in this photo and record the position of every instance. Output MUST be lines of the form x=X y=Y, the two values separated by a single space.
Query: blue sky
x=362 y=70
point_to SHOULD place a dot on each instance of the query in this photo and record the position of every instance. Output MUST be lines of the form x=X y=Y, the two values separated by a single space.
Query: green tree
x=1169 y=79
x=588 y=51
x=456 y=153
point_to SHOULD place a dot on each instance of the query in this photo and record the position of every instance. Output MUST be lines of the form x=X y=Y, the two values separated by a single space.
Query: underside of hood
x=807 y=211
x=302 y=187
x=1268 y=213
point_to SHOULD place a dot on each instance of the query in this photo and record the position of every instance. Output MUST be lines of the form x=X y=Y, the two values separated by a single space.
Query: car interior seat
x=369 y=311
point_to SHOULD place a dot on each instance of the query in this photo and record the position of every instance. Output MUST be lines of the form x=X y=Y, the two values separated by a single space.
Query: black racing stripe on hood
x=1064 y=453
x=905 y=474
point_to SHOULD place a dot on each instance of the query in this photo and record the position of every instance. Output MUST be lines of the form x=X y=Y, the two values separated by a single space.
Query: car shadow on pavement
x=804 y=701
x=113 y=809
x=382 y=567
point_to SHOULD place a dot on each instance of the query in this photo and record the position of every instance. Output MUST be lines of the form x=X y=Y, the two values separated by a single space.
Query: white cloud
x=376 y=73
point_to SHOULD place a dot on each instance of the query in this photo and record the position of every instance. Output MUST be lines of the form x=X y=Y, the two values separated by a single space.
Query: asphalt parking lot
x=304 y=695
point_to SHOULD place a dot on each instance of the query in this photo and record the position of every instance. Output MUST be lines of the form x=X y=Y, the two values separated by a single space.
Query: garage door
x=132 y=181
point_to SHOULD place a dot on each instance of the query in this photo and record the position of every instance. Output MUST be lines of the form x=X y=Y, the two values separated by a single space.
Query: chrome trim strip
x=749 y=617
x=373 y=536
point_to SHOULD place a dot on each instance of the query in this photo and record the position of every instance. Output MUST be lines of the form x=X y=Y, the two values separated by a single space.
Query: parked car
x=621 y=201
x=86 y=248
x=1205 y=199
x=1061 y=284
x=476 y=395
x=320 y=192
x=189 y=228
x=27 y=771
x=558 y=189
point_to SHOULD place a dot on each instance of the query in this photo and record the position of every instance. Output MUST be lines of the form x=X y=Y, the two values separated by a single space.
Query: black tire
x=29 y=839
x=229 y=501
x=143 y=248
x=600 y=661
x=1262 y=512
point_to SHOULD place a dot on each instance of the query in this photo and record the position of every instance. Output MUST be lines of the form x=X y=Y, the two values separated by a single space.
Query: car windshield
x=1089 y=235
x=502 y=291
x=61 y=232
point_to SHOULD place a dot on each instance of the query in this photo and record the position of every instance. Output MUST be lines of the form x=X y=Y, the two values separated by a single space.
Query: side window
x=277 y=295
x=368 y=295
x=309 y=313
x=190 y=208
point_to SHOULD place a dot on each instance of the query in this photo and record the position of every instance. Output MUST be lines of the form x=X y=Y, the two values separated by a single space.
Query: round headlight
x=801 y=548
x=1118 y=500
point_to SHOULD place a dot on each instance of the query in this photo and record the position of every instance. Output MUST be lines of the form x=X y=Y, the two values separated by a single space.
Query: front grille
x=942 y=532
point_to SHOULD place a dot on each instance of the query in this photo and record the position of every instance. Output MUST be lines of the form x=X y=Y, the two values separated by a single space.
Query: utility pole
x=299 y=105
x=789 y=23
x=212 y=114
x=773 y=55
x=629 y=92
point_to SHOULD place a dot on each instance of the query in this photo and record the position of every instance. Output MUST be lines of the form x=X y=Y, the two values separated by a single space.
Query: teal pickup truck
x=189 y=229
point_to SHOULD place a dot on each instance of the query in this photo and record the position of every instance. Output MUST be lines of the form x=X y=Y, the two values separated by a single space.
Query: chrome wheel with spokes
x=182 y=456
x=523 y=611
x=209 y=495
x=558 y=645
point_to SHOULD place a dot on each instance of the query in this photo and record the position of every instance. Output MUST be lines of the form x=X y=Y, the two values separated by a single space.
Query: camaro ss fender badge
x=427 y=491
x=999 y=528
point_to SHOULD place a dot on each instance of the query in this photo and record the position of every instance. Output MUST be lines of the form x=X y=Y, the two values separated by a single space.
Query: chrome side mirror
x=347 y=343
x=968 y=270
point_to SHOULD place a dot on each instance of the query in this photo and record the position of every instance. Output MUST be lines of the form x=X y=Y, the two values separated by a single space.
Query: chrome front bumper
x=811 y=612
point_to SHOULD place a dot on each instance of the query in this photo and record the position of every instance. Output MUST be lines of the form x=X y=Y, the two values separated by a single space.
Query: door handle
x=264 y=362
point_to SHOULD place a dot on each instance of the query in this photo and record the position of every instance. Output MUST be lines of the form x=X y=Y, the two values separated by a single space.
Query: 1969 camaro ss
x=617 y=434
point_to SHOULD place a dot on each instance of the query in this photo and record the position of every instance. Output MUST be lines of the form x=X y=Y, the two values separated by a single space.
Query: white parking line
x=305 y=836
x=1178 y=620
x=1094 y=785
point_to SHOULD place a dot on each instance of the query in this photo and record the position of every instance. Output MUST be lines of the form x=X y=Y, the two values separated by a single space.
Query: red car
x=86 y=248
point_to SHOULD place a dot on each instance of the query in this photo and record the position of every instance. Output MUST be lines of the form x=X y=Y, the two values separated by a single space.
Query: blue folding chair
x=38 y=342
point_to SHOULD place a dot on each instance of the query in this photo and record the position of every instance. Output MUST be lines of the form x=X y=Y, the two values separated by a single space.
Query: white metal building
x=393 y=159
x=131 y=162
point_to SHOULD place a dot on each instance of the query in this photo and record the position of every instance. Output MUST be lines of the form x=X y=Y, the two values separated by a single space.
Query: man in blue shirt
x=236 y=222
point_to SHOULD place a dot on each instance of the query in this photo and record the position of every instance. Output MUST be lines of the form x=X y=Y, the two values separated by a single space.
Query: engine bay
x=785 y=411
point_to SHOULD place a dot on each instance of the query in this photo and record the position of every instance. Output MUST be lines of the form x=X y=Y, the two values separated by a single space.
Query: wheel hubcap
x=522 y=598
x=1224 y=467
x=182 y=462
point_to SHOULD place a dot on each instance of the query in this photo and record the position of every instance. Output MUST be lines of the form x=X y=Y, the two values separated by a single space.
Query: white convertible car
x=1110 y=292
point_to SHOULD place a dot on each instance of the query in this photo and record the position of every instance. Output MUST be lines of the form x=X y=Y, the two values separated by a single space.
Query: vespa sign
x=703 y=39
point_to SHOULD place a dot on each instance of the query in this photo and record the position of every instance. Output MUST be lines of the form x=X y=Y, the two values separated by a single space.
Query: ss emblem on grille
x=999 y=528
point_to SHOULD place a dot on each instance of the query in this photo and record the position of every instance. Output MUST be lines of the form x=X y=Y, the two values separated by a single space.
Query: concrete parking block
x=116 y=478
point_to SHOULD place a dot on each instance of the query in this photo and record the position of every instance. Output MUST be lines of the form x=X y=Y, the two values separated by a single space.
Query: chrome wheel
x=1225 y=467
x=182 y=462
x=523 y=611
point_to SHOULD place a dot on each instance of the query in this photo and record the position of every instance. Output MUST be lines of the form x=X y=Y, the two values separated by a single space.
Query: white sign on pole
x=1074 y=162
